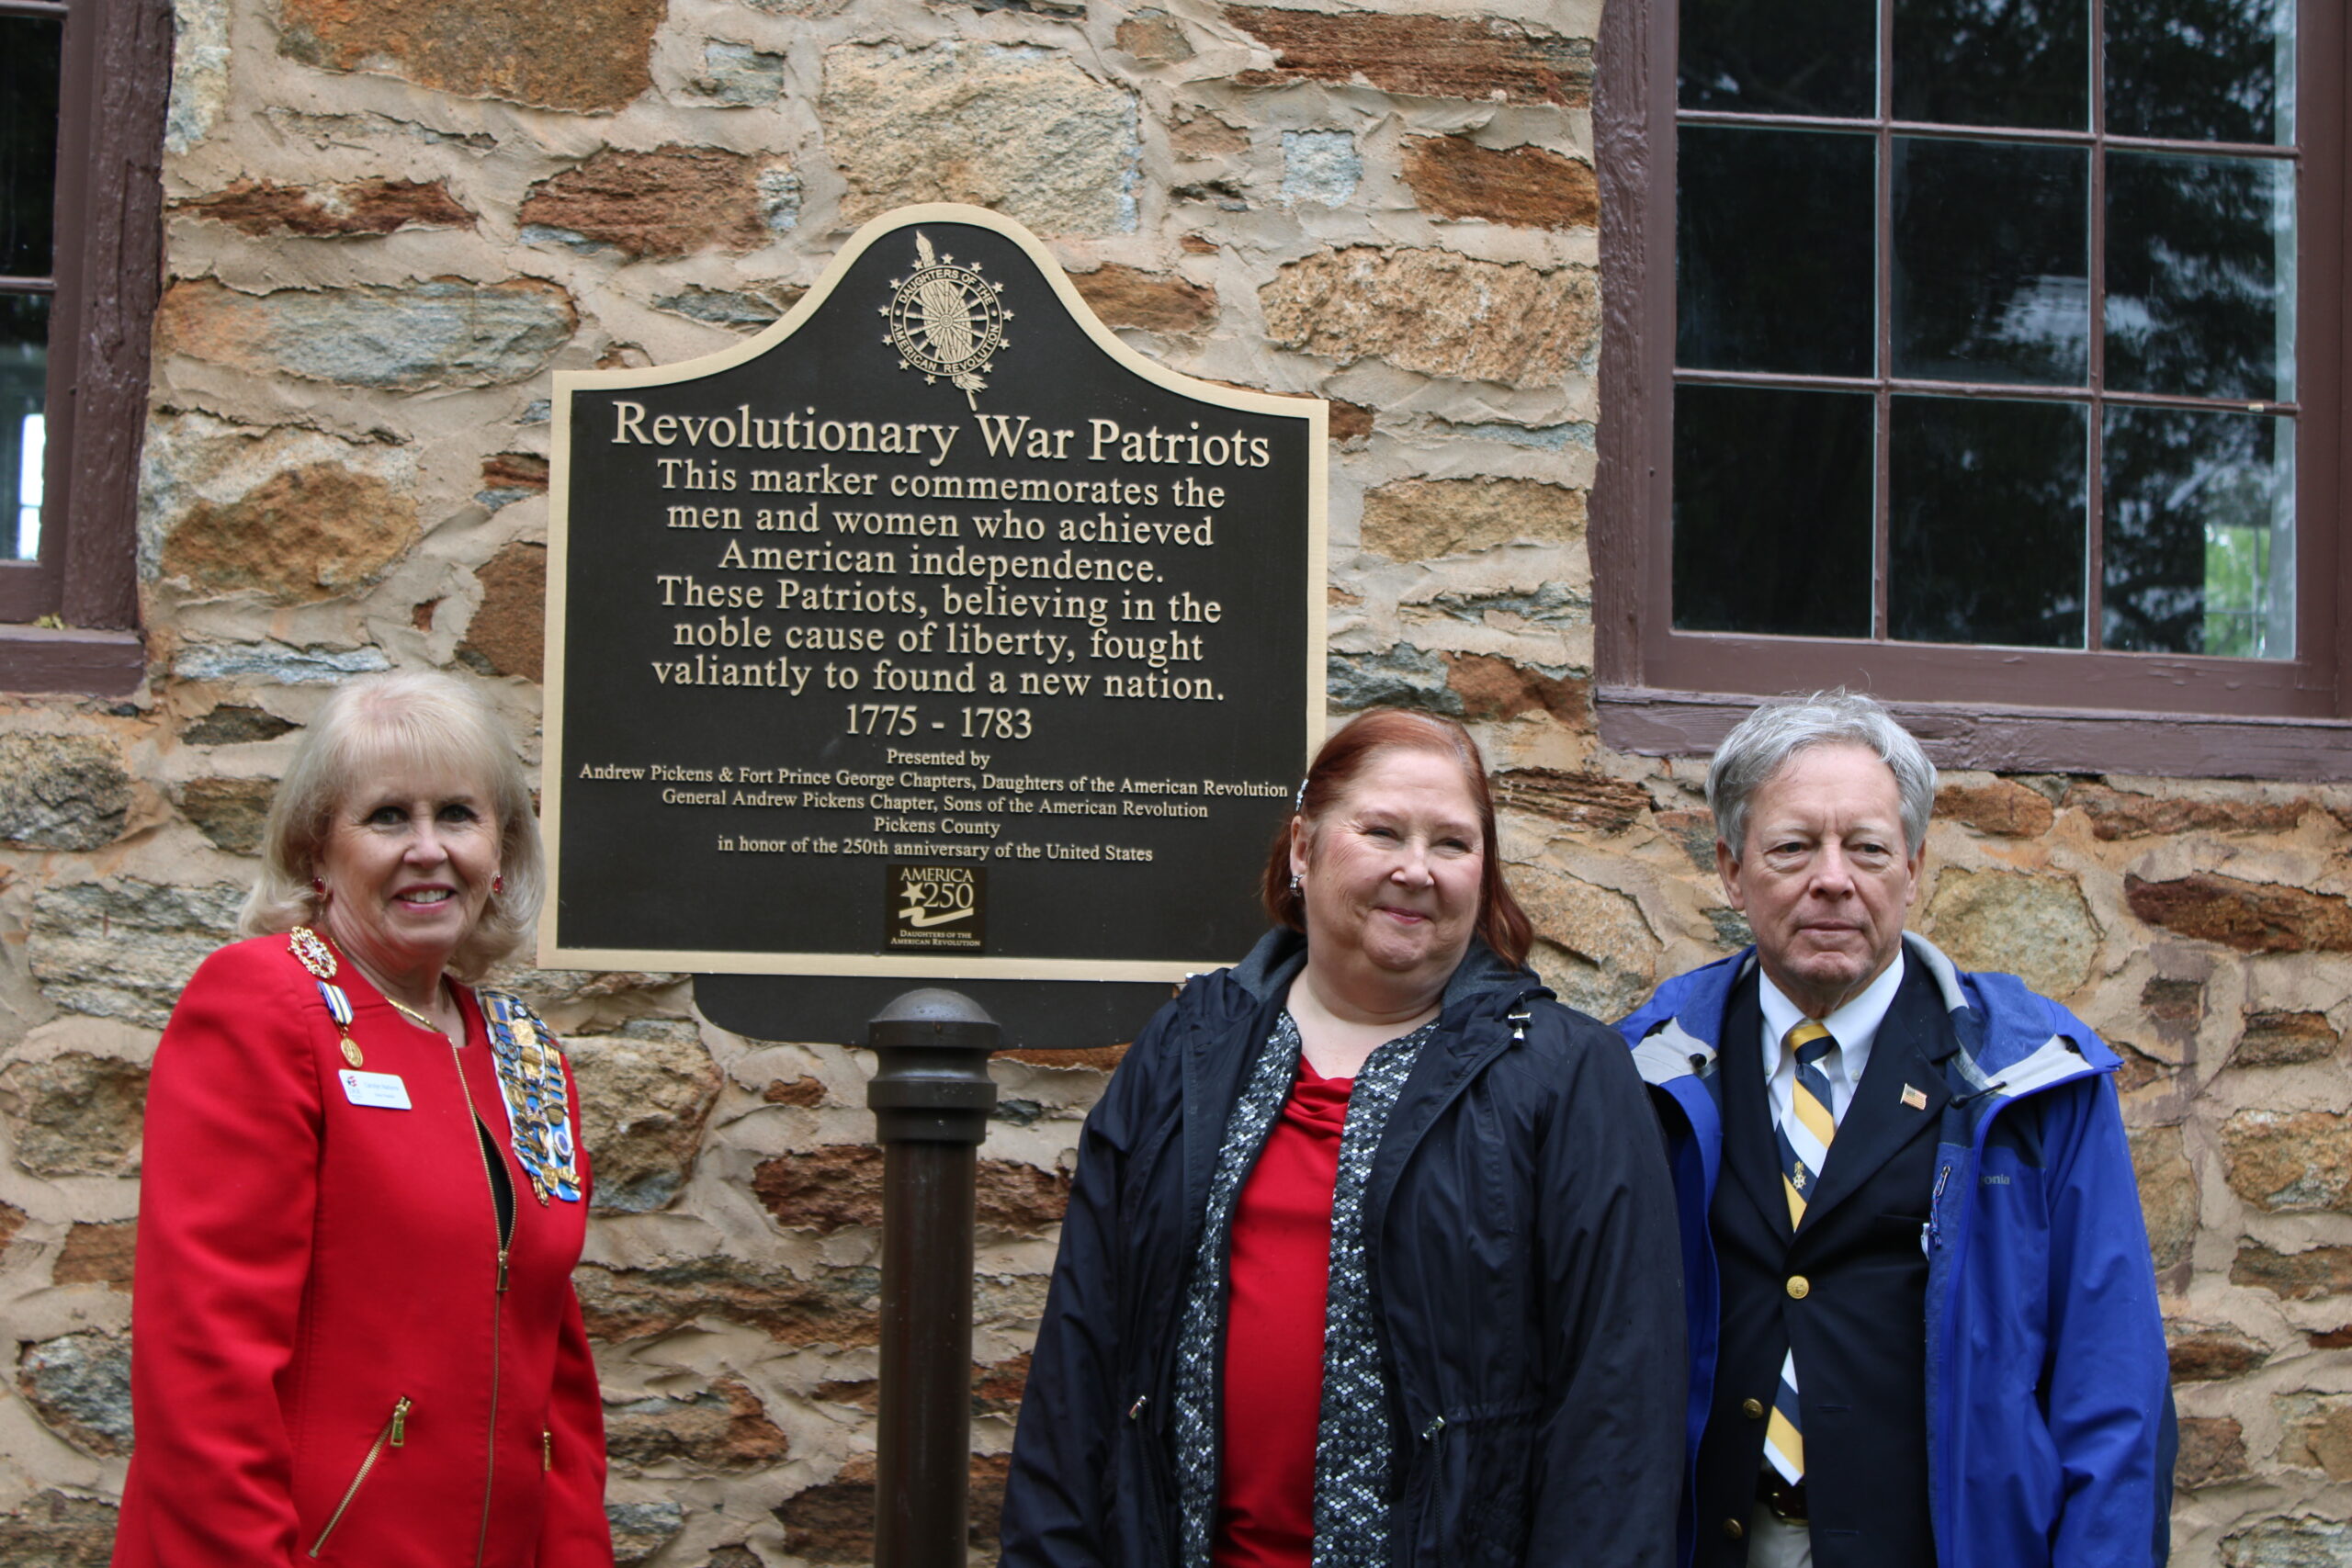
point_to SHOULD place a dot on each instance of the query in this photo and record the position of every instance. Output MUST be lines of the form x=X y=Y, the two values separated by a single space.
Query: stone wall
x=390 y=222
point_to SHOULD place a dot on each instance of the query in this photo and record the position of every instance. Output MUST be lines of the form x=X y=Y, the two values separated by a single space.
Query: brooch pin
x=316 y=955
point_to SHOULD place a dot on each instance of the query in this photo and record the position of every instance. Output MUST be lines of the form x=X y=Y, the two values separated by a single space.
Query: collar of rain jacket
x=2007 y=1041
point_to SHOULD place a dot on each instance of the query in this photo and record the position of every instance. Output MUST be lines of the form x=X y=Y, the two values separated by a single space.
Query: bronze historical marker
x=932 y=633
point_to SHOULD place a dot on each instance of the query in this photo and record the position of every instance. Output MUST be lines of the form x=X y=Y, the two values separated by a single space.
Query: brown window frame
x=114 y=86
x=1661 y=691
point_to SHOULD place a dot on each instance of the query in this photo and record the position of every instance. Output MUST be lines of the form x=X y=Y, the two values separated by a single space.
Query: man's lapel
x=1754 y=1161
x=1900 y=1097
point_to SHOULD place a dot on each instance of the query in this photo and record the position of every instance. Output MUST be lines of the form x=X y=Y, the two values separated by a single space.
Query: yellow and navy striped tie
x=1805 y=1135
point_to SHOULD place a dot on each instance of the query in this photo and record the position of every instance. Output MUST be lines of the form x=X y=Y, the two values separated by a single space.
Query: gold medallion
x=946 y=320
x=351 y=1053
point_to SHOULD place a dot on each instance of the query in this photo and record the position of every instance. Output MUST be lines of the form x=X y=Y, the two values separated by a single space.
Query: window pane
x=2200 y=544
x=1780 y=56
x=2202 y=69
x=2200 y=258
x=2023 y=63
x=1992 y=280
x=1986 y=499
x=28 y=142
x=1772 y=511
x=24 y=379
x=1773 y=248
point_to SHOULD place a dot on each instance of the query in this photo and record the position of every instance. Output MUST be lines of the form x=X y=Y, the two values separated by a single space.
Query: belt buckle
x=1785 y=1498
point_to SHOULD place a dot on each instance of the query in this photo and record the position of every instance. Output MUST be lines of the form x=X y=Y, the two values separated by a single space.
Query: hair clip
x=1299 y=801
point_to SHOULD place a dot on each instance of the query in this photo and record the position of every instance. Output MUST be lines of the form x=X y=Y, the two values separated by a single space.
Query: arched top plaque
x=933 y=632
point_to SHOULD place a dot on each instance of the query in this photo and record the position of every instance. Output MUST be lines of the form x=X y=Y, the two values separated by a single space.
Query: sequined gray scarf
x=1352 y=1441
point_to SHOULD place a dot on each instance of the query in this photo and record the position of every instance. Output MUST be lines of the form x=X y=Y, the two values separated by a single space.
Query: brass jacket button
x=1799 y=1287
x=1733 y=1529
x=1752 y=1408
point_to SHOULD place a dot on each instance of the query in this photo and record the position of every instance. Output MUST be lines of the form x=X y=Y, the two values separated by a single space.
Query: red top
x=1279 y=1276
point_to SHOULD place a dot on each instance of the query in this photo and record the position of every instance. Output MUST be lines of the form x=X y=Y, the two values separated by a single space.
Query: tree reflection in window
x=2079 y=306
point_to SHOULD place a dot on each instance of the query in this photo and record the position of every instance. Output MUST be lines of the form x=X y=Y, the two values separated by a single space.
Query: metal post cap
x=933 y=1016
x=931 y=1082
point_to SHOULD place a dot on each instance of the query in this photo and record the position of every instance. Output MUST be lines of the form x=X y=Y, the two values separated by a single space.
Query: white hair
x=1766 y=739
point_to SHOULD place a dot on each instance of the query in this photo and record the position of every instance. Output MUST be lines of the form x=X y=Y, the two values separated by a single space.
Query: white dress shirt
x=1854 y=1026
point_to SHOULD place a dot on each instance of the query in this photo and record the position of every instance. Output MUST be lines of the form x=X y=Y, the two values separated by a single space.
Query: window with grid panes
x=84 y=85
x=2004 y=300
x=1989 y=352
x=30 y=39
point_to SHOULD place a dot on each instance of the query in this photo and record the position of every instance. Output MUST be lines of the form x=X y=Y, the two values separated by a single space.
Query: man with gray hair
x=1923 y=1320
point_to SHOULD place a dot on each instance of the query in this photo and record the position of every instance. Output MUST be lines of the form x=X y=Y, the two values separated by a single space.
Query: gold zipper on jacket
x=395 y=1435
x=485 y=1142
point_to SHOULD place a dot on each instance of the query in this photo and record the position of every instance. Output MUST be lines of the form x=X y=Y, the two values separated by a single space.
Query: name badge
x=383 y=1090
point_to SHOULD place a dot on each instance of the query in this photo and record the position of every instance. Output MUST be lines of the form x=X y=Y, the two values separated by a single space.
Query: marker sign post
x=932 y=636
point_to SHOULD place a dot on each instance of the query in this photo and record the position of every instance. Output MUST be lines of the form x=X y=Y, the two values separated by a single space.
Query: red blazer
x=323 y=1365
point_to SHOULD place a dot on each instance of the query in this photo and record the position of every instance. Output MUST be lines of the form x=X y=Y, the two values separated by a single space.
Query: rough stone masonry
x=388 y=225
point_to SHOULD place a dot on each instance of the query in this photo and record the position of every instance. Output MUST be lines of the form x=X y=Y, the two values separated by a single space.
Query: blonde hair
x=419 y=719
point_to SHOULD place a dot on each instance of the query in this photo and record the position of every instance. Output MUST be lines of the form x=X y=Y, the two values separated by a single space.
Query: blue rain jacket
x=2050 y=1433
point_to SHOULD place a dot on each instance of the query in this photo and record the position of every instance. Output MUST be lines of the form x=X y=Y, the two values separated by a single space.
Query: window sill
x=2016 y=739
x=96 y=663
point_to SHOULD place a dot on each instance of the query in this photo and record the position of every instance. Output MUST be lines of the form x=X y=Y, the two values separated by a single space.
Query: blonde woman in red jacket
x=354 y=1339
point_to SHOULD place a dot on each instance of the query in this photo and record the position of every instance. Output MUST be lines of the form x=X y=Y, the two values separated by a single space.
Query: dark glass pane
x=1994 y=62
x=2202 y=69
x=24 y=379
x=2200 y=545
x=1773 y=244
x=2200 y=256
x=1780 y=56
x=1991 y=277
x=1772 y=512
x=28 y=142
x=1985 y=502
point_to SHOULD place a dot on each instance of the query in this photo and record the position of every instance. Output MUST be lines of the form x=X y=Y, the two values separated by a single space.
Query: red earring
x=498 y=883
x=319 y=887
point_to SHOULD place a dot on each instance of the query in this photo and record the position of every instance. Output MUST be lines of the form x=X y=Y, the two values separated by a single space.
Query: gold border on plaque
x=1313 y=411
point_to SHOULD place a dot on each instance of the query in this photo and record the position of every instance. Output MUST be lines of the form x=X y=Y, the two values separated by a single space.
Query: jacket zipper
x=1940 y=1354
x=394 y=1435
x=484 y=1143
x=1157 y=1470
x=1932 y=1232
x=1374 y=1262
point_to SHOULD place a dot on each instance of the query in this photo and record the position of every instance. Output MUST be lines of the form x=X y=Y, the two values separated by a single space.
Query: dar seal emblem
x=946 y=320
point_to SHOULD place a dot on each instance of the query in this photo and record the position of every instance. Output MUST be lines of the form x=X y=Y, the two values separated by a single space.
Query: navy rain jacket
x=1522 y=1241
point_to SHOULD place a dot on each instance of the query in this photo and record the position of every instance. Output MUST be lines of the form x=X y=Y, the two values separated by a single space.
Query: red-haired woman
x=1370 y=1259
